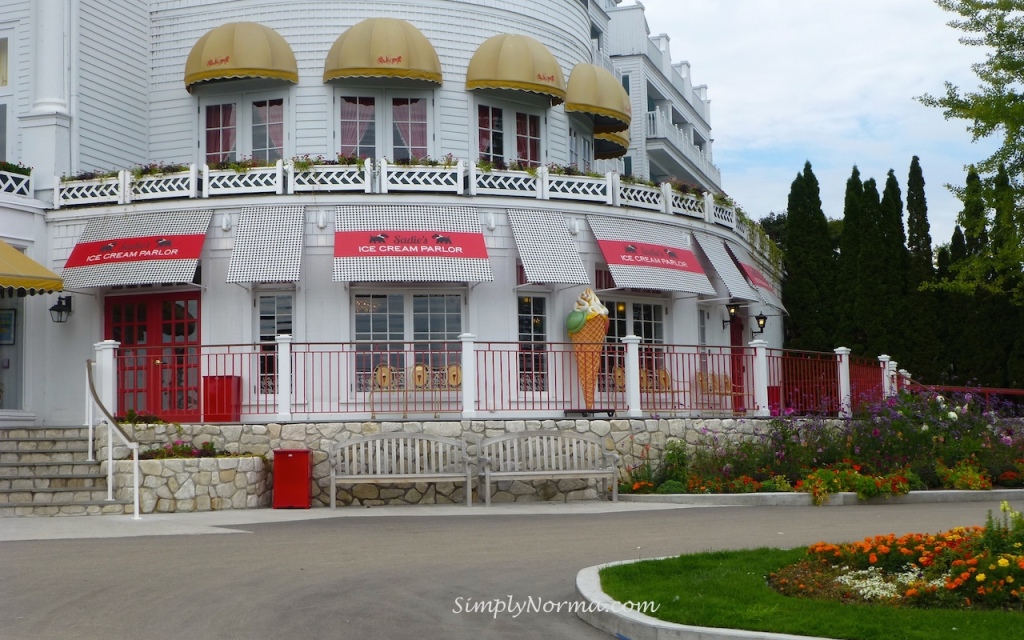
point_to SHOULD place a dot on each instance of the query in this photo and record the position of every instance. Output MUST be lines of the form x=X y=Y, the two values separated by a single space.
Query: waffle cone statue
x=587 y=325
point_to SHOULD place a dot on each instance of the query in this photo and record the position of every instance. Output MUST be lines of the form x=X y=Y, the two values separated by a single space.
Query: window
x=250 y=126
x=581 y=150
x=625 y=84
x=643 y=319
x=400 y=330
x=275 y=319
x=533 y=336
x=492 y=147
x=380 y=124
x=5 y=95
x=492 y=131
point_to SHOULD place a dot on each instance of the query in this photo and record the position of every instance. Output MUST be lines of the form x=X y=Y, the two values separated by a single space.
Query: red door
x=158 y=362
x=739 y=372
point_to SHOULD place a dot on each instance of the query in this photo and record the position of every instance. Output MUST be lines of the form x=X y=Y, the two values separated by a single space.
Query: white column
x=845 y=395
x=106 y=373
x=883 y=360
x=284 y=377
x=632 y=376
x=761 y=407
x=468 y=376
x=894 y=386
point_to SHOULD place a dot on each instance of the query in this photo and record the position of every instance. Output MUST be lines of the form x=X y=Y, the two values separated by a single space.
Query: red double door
x=159 y=359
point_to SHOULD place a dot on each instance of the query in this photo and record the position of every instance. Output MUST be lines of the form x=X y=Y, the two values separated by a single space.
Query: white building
x=374 y=269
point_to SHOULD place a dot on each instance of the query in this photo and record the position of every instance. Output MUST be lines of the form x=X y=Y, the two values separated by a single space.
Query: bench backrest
x=545 y=451
x=398 y=454
x=714 y=383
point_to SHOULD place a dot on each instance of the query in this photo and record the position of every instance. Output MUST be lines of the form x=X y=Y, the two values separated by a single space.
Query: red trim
x=757 y=278
x=171 y=247
x=422 y=244
x=640 y=254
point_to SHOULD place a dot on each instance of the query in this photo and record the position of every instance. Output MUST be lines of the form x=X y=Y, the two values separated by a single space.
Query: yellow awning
x=21 y=275
x=611 y=145
x=240 y=50
x=595 y=91
x=516 y=62
x=383 y=48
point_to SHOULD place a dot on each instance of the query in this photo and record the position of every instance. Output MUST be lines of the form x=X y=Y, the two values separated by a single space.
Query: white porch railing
x=659 y=126
x=109 y=379
x=15 y=184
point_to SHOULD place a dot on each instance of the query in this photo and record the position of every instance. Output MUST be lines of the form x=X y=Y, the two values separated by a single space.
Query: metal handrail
x=112 y=428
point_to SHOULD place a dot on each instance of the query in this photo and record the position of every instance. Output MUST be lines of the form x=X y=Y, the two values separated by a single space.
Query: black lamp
x=62 y=310
x=732 y=308
x=761 y=320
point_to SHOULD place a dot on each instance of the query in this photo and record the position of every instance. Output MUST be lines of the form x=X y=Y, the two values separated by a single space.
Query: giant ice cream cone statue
x=588 y=325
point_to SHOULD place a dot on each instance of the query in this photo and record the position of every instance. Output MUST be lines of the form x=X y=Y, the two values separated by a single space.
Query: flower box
x=419 y=178
x=686 y=204
x=228 y=182
x=180 y=184
x=110 y=190
x=504 y=183
x=331 y=178
x=641 y=196
x=586 y=188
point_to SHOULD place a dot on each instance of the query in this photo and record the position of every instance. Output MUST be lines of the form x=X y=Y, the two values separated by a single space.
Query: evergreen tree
x=922 y=353
x=810 y=268
x=893 y=255
x=868 y=311
x=973 y=218
x=847 y=330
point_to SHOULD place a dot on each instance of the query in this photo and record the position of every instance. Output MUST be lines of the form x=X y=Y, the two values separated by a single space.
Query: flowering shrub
x=15 y=167
x=181 y=449
x=848 y=477
x=964 y=475
x=966 y=567
x=638 y=477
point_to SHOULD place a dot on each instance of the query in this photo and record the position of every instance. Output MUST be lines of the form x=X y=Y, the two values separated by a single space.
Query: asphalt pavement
x=427 y=571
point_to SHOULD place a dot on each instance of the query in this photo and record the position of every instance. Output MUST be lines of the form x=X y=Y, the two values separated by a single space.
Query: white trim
x=384 y=129
x=243 y=120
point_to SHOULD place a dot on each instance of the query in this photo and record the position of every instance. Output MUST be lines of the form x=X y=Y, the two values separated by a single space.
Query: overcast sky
x=829 y=81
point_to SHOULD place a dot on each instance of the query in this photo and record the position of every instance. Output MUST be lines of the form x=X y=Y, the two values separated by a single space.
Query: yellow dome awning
x=516 y=62
x=611 y=145
x=383 y=48
x=21 y=275
x=240 y=50
x=595 y=91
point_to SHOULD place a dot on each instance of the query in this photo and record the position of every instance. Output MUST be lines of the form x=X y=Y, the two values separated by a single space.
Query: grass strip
x=728 y=589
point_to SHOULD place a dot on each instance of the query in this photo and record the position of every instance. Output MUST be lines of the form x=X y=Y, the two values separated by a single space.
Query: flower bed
x=922 y=441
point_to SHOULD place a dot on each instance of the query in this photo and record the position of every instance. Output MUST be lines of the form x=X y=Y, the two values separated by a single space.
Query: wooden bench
x=546 y=455
x=399 y=457
x=715 y=386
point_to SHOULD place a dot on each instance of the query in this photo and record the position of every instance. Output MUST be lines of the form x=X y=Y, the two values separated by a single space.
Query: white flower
x=924 y=427
x=941 y=401
x=952 y=416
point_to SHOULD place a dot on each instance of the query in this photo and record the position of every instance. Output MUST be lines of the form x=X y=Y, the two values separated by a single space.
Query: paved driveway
x=377 y=573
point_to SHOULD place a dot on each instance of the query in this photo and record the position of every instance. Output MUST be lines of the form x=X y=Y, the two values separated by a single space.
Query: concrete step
x=52 y=495
x=83 y=508
x=33 y=457
x=43 y=444
x=64 y=481
x=33 y=431
x=47 y=468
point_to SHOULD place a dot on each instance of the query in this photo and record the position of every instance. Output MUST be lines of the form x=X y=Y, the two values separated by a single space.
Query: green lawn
x=728 y=589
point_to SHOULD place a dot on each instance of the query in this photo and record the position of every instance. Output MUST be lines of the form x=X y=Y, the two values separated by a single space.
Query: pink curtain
x=528 y=139
x=409 y=119
x=220 y=133
x=357 y=115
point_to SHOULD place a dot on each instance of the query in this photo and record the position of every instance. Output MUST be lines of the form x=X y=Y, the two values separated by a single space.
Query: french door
x=159 y=359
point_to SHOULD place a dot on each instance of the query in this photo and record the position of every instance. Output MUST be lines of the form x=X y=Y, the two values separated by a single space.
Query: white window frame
x=7 y=97
x=384 y=138
x=264 y=352
x=243 y=102
x=581 y=149
x=510 y=134
x=543 y=355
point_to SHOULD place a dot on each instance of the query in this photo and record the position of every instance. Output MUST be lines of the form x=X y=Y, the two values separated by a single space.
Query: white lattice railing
x=15 y=183
x=641 y=196
x=96 y=191
x=586 y=188
x=505 y=183
x=723 y=216
x=685 y=204
x=182 y=184
x=331 y=178
x=439 y=179
x=228 y=182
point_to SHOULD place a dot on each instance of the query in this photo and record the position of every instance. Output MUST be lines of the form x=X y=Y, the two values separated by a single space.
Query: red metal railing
x=866 y=381
x=803 y=382
x=688 y=379
x=542 y=377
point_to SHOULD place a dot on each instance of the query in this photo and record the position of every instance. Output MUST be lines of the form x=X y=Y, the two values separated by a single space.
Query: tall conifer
x=847 y=330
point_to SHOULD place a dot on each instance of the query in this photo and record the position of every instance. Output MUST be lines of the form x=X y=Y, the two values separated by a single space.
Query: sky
x=832 y=82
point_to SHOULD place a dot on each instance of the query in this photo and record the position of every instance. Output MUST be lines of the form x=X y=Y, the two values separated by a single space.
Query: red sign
x=757 y=278
x=433 y=244
x=639 y=254
x=179 y=247
x=216 y=62
x=389 y=59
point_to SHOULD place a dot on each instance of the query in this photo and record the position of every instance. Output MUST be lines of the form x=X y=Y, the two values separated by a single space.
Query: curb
x=843 y=499
x=602 y=614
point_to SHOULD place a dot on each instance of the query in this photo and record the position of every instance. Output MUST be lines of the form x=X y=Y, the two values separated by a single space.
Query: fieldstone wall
x=195 y=484
x=632 y=439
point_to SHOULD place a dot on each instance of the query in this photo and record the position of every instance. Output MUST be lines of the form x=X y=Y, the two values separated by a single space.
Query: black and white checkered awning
x=268 y=245
x=765 y=289
x=547 y=250
x=648 y=255
x=135 y=249
x=718 y=255
x=407 y=243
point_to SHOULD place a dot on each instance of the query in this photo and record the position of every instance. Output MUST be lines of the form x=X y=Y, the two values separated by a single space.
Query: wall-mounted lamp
x=61 y=311
x=225 y=223
x=761 y=320
x=732 y=309
x=321 y=220
x=491 y=222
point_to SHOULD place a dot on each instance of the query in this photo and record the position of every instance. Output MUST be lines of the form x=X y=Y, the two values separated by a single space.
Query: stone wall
x=195 y=484
x=630 y=438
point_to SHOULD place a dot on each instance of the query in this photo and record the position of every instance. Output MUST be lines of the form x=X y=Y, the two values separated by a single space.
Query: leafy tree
x=810 y=268
x=774 y=225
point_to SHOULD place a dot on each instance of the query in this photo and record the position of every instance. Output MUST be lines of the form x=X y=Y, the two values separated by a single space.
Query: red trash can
x=293 y=475
x=222 y=398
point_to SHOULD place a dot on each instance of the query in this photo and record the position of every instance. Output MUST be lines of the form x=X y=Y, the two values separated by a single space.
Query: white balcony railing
x=16 y=184
x=659 y=126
